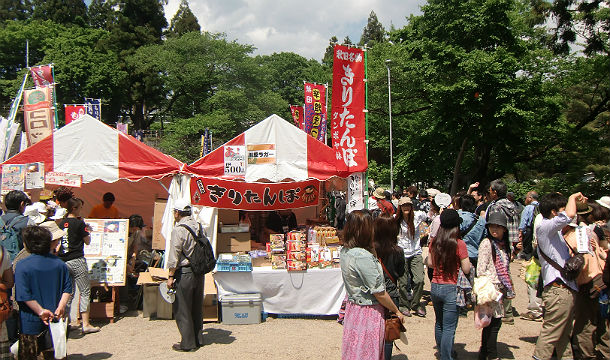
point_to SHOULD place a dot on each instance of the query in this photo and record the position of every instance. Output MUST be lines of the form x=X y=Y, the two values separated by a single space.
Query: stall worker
x=105 y=210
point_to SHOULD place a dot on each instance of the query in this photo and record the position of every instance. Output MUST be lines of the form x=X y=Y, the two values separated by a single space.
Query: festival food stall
x=271 y=167
x=94 y=158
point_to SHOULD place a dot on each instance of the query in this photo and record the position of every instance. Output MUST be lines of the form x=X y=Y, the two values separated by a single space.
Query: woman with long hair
x=364 y=322
x=407 y=221
x=447 y=254
x=392 y=261
x=71 y=251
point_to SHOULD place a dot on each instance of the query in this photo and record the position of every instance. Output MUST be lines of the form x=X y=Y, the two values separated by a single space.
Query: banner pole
x=55 y=97
x=326 y=115
x=366 y=126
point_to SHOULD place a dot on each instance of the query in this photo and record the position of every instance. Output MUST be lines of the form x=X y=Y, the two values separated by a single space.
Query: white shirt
x=410 y=242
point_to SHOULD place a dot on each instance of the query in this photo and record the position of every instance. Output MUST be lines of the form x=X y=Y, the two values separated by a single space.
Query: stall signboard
x=63 y=179
x=315 y=111
x=13 y=177
x=355 y=192
x=34 y=175
x=297 y=116
x=348 y=126
x=226 y=194
x=107 y=253
x=261 y=154
x=38 y=114
x=235 y=160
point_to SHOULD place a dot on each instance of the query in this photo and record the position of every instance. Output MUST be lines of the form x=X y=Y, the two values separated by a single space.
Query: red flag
x=348 y=128
x=297 y=115
x=315 y=110
x=42 y=75
x=74 y=112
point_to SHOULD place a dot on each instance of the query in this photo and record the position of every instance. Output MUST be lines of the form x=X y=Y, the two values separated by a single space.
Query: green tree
x=15 y=9
x=184 y=21
x=329 y=53
x=347 y=41
x=101 y=14
x=61 y=11
x=373 y=32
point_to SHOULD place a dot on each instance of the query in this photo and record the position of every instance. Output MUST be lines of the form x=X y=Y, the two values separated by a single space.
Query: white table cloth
x=312 y=292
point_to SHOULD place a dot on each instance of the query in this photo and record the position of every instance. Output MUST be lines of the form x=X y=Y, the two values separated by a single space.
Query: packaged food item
x=296 y=256
x=276 y=243
x=325 y=257
x=292 y=265
x=278 y=261
x=313 y=256
x=296 y=245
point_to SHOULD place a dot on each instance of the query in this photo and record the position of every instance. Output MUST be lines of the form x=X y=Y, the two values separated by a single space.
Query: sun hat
x=54 y=229
x=433 y=192
x=583 y=208
x=182 y=205
x=379 y=193
x=31 y=211
x=41 y=207
x=450 y=219
x=604 y=201
x=405 y=200
x=59 y=213
x=442 y=200
x=497 y=218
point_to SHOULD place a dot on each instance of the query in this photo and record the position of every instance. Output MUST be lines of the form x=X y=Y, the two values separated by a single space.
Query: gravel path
x=133 y=337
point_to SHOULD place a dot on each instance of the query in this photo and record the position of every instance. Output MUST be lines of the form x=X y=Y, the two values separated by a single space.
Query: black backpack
x=202 y=261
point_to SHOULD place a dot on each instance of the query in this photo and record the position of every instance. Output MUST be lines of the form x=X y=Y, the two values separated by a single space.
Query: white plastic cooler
x=239 y=309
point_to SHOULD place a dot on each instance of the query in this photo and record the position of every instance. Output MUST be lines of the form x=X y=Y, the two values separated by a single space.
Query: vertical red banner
x=297 y=115
x=74 y=112
x=42 y=75
x=38 y=114
x=348 y=127
x=315 y=111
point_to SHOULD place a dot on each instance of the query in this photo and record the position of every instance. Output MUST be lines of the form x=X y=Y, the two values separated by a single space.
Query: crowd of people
x=473 y=238
x=42 y=263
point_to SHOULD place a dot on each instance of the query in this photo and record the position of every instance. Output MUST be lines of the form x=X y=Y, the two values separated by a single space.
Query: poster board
x=158 y=240
x=13 y=178
x=107 y=253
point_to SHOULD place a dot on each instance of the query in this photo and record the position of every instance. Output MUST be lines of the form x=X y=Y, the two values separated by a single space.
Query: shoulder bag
x=393 y=325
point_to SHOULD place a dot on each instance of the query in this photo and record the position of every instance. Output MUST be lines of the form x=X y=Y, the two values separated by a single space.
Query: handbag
x=393 y=325
x=393 y=328
x=532 y=273
x=573 y=265
x=6 y=306
x=593 y=287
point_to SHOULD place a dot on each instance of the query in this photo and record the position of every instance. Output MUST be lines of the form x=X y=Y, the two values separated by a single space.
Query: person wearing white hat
x=604 y=201
x=188 y=306
x=33 y=212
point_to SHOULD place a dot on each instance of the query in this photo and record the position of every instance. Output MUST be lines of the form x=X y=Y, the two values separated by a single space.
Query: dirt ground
x=133 y=337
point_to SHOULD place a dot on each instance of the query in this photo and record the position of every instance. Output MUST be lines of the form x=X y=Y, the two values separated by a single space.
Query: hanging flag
x=315 y=110
x=94 y=107
x=297 y=115
x=73 y=112
x=42 y=75
x=207 y=141
x=39 y=115
x=348 y=127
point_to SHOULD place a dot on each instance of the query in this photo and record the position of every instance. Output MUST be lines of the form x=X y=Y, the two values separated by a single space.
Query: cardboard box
x=227 y=216
x=232 y=242
x=210 y=308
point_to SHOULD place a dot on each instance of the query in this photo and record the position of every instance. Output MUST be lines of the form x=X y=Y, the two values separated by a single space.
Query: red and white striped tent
x=108 y=160
x=298 y=156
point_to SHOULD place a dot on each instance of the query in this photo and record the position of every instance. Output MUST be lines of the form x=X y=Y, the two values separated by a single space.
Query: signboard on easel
x=107 y=253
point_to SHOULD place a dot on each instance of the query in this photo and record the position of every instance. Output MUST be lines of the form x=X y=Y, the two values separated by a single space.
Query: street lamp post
x=387 y=65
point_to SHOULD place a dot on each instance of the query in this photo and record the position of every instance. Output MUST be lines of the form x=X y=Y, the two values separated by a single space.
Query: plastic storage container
x=239 y=309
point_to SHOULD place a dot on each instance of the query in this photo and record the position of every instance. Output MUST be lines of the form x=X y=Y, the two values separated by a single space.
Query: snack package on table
x=296 y=256
x=313 y=256
x=325 y=257
x=278 y=261
x=296 y=265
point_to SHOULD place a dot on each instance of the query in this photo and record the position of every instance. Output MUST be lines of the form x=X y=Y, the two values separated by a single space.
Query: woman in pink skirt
x=364 y=322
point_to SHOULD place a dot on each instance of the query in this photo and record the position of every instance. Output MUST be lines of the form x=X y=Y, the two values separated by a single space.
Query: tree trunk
x=137 y=116
x=458 y=166
x=482 y=157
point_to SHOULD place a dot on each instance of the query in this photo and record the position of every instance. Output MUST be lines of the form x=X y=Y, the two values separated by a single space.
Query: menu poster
x=235 y=160
x=63 y=179
x=34 y=175
x=107 y=253
x=13 y=178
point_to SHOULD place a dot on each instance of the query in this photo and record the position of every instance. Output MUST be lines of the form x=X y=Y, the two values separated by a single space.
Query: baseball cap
x=182 y=205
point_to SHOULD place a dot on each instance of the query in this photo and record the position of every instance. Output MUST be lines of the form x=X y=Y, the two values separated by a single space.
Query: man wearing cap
x=188 y=306
x=105 y=210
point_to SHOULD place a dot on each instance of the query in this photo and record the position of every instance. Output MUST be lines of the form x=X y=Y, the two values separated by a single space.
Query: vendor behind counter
x=279 y=222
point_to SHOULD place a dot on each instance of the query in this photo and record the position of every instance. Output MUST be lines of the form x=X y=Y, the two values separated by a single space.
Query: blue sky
x=303 y=27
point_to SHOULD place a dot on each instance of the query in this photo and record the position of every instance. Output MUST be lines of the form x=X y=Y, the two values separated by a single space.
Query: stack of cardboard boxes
x=232 y=236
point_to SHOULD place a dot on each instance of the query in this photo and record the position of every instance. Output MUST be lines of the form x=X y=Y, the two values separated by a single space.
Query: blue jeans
x=445 y=309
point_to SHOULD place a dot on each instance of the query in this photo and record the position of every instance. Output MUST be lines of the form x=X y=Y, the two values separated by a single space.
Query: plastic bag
x=485 y=290
x=482 y=315
x=532 y=273
x=58 y=334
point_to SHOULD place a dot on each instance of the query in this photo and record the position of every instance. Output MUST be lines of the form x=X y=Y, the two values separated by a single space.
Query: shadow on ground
x=217 y=336
x=529 y=339
x=94 y=356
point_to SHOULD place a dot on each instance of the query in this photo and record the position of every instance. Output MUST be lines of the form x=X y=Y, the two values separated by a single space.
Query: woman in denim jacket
x=364 y=322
